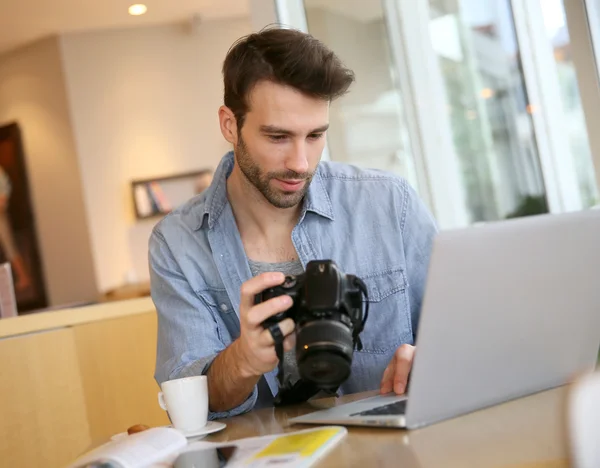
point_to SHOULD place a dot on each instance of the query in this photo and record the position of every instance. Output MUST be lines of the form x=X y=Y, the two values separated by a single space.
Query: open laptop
x=511 y=308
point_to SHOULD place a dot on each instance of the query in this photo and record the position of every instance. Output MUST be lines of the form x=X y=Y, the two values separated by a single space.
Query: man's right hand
x=255 y=346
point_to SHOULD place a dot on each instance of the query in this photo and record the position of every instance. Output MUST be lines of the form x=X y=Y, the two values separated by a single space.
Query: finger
x=286 y=326
x=290 y=342
x=259 y=313
x=387 y=380
x=256 y=285
x=404 y=358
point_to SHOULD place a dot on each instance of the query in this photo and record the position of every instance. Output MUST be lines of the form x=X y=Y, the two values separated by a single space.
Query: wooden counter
x=72 y=376
x=524 y=433
x=45 y=321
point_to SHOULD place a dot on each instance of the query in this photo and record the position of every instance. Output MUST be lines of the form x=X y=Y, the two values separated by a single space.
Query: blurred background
x=108 y=120
x=108 y=117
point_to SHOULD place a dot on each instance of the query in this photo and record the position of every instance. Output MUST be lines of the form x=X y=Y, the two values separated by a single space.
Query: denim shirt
x=371 y=223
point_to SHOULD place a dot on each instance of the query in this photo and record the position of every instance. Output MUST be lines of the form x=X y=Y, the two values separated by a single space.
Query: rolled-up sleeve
x=187 y=341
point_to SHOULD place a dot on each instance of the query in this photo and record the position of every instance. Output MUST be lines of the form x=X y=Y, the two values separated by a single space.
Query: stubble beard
x=261 y=180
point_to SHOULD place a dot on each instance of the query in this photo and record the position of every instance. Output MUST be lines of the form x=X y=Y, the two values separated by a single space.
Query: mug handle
x=161 y=401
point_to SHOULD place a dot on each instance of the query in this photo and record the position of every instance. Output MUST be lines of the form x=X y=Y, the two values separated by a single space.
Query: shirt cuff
x=200 y=367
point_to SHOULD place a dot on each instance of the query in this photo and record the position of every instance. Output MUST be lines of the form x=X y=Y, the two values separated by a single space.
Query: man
x=271 y=208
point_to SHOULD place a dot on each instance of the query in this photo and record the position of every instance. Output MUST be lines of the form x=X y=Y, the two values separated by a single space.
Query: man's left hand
x=395 y=377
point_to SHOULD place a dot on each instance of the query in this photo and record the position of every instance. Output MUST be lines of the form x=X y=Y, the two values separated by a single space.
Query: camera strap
x=289 y=394
x=359 y=327
x=278 y=338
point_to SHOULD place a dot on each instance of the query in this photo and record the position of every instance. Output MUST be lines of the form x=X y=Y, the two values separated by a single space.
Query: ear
x=228 y=124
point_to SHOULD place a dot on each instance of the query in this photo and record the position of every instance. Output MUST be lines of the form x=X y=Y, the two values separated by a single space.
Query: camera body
x=328 y=311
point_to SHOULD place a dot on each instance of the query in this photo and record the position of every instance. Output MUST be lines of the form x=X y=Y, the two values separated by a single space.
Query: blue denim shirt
x=371 y=223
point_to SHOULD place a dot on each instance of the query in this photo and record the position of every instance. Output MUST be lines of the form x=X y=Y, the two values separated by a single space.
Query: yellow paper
x=304 y=444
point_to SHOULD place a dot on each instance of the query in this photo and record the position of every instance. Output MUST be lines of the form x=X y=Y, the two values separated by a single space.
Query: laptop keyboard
x=398 y=407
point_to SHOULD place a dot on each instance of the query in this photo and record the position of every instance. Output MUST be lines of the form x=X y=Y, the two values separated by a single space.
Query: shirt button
x=224 y=307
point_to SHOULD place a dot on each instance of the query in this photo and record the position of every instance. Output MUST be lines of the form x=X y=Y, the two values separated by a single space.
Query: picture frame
x=159 y=196
x=18 y=231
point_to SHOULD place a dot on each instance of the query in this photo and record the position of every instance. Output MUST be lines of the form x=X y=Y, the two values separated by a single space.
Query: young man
x=271 y=208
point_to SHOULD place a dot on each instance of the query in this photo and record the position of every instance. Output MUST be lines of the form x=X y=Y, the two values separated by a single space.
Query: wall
x=32 y=93
x=144 y=103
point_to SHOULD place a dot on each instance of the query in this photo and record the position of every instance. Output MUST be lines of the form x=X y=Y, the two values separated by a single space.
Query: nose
x=297 y=159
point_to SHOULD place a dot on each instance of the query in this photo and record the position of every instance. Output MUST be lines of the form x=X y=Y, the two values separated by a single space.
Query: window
x=368 y=126
x=476 y=102
x=574 y=125
x=492 y=129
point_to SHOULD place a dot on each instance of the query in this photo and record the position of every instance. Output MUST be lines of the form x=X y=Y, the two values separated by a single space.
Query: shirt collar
x=316 y=201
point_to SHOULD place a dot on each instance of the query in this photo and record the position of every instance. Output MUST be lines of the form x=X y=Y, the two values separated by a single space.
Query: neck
x=253 y=213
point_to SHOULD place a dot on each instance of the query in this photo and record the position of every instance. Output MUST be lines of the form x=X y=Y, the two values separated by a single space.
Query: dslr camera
x=328 y=311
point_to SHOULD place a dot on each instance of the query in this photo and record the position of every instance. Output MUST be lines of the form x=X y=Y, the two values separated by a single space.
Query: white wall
x=144 y=104
x=32 y=93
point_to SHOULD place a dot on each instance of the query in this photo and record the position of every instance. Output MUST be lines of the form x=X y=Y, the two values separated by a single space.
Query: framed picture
x=157 y=197
x=18 y=235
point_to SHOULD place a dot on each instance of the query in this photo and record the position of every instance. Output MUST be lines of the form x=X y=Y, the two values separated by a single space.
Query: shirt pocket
x=388 y=324
x=218 y=303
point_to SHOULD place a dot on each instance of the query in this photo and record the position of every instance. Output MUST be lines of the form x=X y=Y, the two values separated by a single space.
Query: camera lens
x=324 y=352
x=326 y=369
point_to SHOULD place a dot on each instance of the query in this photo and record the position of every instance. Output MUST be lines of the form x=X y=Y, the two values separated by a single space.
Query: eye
x=315 y=136
x=277 y=138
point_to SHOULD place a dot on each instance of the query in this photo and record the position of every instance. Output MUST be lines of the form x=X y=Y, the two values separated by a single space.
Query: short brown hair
x=283 y=56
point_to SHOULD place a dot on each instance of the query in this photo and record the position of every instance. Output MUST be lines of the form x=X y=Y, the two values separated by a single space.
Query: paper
x=298 y=449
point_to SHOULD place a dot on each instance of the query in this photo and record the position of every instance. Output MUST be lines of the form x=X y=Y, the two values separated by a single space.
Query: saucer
x=211 y=426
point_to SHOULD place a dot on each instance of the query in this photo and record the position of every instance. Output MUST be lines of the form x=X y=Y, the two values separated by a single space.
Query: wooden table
x=524 y=433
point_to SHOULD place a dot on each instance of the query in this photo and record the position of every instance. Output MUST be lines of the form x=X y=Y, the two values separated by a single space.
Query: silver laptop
x=511 y=308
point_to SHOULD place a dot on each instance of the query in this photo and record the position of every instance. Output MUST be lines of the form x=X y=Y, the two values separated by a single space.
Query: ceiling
x=22 y=21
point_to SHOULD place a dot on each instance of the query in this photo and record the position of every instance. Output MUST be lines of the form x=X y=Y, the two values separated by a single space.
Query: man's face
x=281 y=142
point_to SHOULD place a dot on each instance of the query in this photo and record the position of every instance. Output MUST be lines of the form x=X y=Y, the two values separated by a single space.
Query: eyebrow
x=272 y=129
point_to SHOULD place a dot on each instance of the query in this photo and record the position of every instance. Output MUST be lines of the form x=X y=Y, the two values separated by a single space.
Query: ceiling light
x=137 y=9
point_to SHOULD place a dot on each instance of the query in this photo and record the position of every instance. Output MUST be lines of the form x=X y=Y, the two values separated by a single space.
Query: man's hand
x=255 y=344
x=395 y=377
x=236 y=370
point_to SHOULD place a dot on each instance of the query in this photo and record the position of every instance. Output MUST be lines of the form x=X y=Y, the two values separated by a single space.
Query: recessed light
x=137 y=9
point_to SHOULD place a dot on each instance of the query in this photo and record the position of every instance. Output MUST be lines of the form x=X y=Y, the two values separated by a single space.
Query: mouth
x=290 y=185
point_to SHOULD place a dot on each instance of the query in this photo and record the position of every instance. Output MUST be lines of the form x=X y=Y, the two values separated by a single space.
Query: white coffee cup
x=186 y=401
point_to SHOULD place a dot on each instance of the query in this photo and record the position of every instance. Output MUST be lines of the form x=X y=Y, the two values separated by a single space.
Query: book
x=142 y=200
x=143 y=449
x=159 y=196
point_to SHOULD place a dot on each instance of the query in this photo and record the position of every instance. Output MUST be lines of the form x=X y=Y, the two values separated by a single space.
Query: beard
x=262 y=180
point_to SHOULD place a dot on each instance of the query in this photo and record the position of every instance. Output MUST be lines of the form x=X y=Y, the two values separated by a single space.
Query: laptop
x=511 y=308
